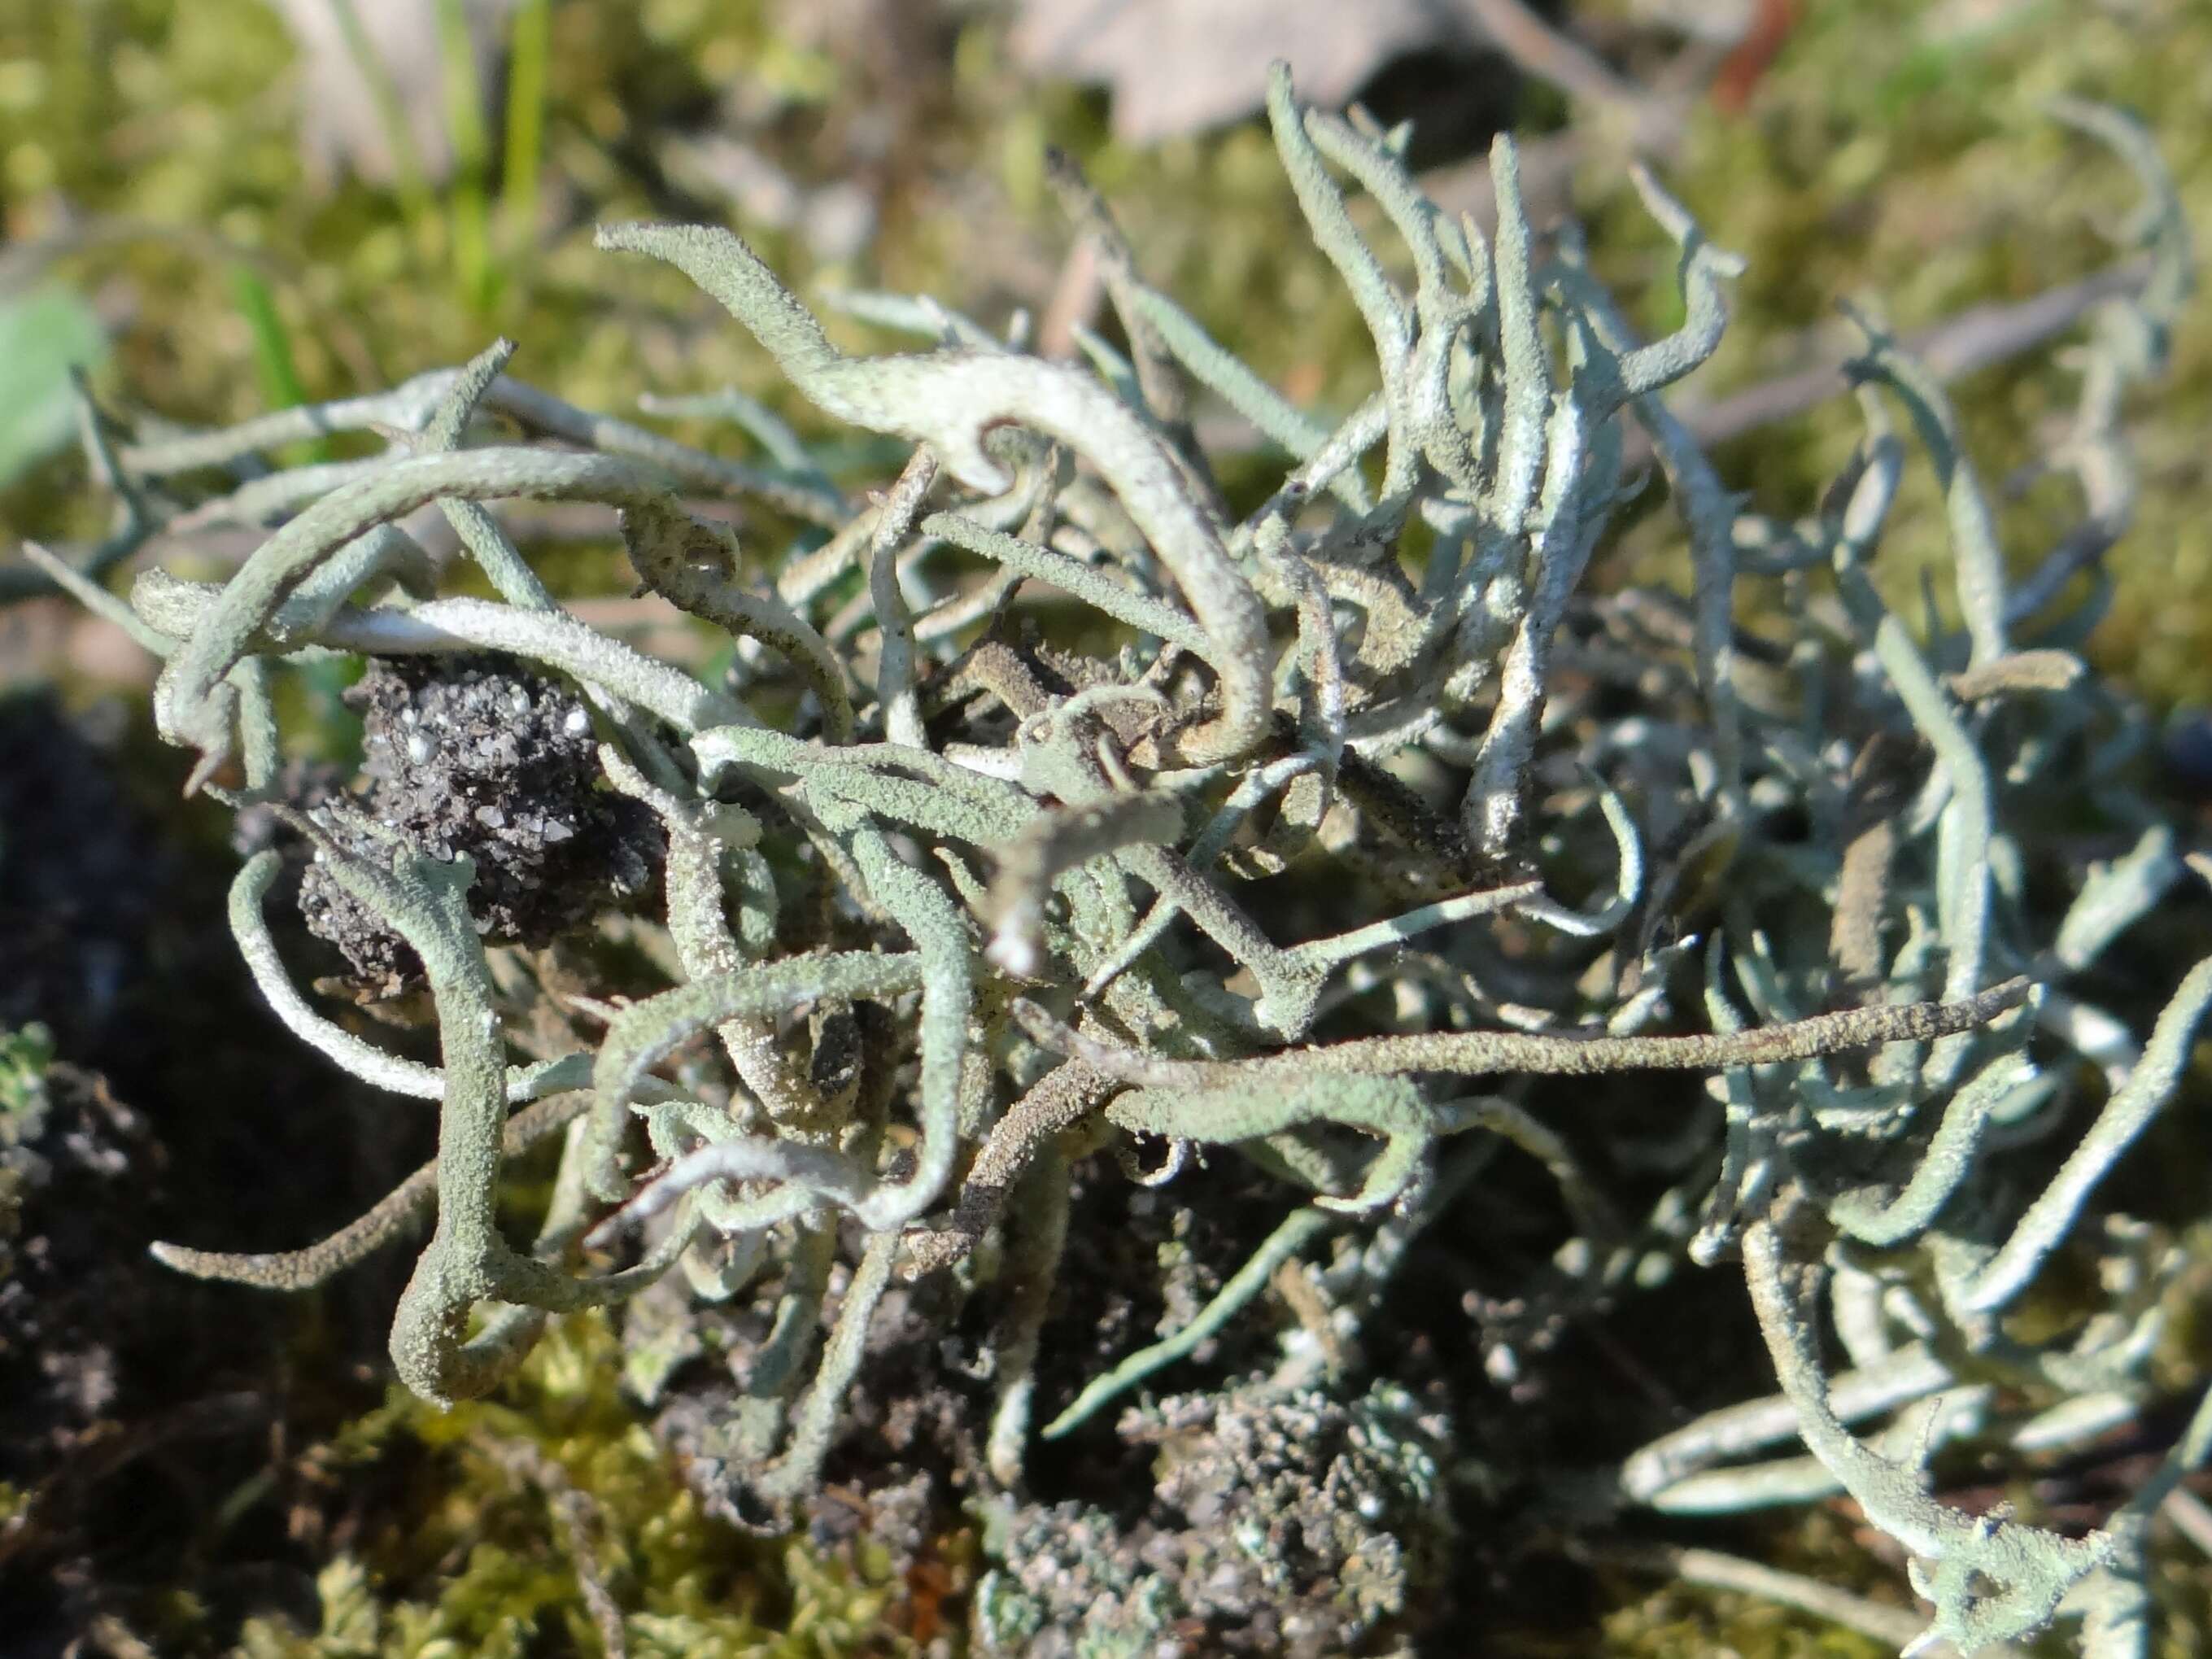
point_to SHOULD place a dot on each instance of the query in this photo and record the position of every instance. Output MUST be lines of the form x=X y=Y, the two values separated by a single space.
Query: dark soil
x=477 y=757
x=136 y=1406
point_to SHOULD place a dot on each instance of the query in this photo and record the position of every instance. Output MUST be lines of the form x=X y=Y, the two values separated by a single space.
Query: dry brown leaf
x=1177 y=66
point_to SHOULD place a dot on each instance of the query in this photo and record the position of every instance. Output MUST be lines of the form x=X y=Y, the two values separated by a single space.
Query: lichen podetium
x=1052 y=804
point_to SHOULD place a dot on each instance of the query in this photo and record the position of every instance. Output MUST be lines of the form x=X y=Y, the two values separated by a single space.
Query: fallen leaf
x=1177 y=66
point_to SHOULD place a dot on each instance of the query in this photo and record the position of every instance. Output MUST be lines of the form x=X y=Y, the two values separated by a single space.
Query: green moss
x=25 y=1055
x=472 y=1558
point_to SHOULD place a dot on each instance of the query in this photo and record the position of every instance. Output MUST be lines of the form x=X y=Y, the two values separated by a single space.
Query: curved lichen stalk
x=192 y=703
x=951 y=400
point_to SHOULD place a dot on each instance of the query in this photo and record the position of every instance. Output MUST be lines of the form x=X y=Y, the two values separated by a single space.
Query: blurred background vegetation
x=218 y=206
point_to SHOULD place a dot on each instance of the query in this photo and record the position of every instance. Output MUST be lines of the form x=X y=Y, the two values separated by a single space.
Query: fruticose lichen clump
x=1055 y=808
